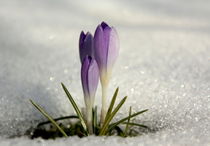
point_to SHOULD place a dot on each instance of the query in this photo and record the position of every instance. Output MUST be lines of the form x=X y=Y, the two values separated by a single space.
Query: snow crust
x=164 y=66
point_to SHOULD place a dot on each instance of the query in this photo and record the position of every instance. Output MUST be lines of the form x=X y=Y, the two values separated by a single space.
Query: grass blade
x=49 y=118
x=58 y=119
x=112 y=104
x=127 y=125
x=79 y=114
x=106 y=124
x=126 y=118
x=135 y=124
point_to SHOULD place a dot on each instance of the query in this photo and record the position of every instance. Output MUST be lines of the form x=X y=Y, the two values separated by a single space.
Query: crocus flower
x=85 y=45
x=106 y=50
x=89 y=78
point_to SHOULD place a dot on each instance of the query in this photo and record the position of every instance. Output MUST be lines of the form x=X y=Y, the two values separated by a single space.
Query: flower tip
x=104 y=25
x=81 y=38
x=82 y=33
x=84 y=36
x=85 y=45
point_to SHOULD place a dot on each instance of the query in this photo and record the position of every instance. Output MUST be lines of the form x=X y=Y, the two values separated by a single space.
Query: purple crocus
x=106 y=47
x=85 y=45
x=89 y=78
x=106 y=50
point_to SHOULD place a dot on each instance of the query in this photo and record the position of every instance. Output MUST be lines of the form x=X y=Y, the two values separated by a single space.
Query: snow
x=163 y=66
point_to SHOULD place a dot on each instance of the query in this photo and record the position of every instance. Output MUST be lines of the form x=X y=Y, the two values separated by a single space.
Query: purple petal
x=85 y=45
x=113 y=48
x=90 y=78
x=106 y=44
x=100 y=47
x=84 y=72
x=93 y=78
x=81 y=38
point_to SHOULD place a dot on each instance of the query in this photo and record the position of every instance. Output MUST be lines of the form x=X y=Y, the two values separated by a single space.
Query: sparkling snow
x=164 y=65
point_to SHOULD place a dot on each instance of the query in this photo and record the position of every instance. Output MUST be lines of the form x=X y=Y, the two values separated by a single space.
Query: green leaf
x=79 y=114
x=126 y=118
x=106 y=123
x=112 y=104
x=135 y=124
x=58 y=119
x=95 y=119
x=127 y=125
x=49 y=118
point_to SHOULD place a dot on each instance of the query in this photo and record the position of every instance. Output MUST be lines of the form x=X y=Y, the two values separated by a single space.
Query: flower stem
x=104 y=98
x=89 y=120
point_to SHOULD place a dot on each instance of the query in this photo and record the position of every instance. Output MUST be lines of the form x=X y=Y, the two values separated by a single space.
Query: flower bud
x=106 y=50
x=89 y=78
x=85 y=45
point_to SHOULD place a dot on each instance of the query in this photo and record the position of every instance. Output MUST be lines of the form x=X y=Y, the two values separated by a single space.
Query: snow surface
x=164 y=65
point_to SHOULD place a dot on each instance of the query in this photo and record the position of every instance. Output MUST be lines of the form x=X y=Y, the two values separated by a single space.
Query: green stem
x=89 y=119
x=104 y=98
